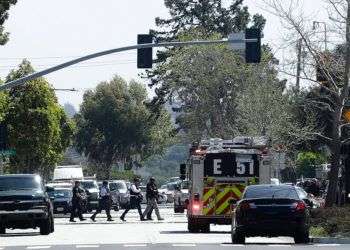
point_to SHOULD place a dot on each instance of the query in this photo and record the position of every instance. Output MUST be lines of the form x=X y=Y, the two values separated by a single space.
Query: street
x=133 y=234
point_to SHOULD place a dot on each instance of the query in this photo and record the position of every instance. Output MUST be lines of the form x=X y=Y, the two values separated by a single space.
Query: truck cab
x=218 y=172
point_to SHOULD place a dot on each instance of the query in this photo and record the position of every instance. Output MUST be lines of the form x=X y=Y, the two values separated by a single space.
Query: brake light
x=196 y=207
x=300 y=206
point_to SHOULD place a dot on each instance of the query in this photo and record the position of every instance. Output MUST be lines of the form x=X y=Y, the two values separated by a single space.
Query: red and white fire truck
x=218 y=171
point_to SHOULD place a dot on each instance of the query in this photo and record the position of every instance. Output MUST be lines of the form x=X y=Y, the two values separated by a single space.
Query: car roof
x=19 y=175
x=270 y=185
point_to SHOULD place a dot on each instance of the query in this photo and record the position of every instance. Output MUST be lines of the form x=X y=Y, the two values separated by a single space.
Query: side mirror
x=183 y=171
x=49 y=189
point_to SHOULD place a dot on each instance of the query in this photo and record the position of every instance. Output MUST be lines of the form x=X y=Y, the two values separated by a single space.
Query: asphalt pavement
x=133 y=234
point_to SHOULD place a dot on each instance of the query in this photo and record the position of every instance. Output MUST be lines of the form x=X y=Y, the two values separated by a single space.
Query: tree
x=115 y=125
x=307 y=163
x=336 y=84
x=4 y=7
x=39 y=130
x=208 y=17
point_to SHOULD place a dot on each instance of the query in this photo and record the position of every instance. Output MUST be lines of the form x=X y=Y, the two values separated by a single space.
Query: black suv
x=271 y=210
x=24 y=203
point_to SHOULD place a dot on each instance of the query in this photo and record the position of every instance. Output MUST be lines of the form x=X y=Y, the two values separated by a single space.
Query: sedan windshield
x=274 y=191
x=63 y=193
x=20 y=183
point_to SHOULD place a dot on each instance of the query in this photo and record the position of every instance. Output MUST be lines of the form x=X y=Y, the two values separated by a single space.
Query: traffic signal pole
x=35 y=75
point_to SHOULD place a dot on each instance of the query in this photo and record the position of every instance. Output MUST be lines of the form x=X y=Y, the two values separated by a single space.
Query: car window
x=64 y=193
x=184 y=185
x=89 y=184
x=171 y=187
x=117 y=185
x=302 y=194
x=20 y=183
x=270 y=192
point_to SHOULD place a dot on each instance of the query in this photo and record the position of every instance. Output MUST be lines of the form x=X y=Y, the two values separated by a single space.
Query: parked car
x=24 y=203
x=61 y=199
x=92 y=191
x=270 y=210
x=181 y=197
x=170 y=191
x=60 y=184
x=124 y=195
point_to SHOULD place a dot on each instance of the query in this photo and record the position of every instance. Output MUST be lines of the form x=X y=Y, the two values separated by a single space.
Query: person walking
x=104 y=202
x=152 y=198
x=135 y=199
x=77 y=201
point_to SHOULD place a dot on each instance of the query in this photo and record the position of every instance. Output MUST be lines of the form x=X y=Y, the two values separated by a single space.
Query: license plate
x=60 y=209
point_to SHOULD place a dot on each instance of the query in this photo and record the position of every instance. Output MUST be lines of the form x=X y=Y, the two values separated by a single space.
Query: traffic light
x=253 y=49
x=144 y=56
x=3 y=137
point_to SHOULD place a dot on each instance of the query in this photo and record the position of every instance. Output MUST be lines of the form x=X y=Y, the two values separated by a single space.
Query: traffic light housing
x=253 y=49
x=144 y=56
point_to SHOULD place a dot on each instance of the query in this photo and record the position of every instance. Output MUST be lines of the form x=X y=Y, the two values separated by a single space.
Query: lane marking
x=39 y=247
x=87 y=246
x=184 y=245
x=279 y=245
x=232 y=245
x=327 y=245
x=135 y=245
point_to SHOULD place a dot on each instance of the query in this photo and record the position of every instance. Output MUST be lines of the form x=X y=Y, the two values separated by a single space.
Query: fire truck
x=218 y=172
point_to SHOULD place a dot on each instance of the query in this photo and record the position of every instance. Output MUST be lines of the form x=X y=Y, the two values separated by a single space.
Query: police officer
x=77 y=201
x=135 y=199
x=152 y=198
x=104 y=202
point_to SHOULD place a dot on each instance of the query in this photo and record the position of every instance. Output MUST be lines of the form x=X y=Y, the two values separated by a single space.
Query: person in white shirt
x=135 y=199
x=104 y=202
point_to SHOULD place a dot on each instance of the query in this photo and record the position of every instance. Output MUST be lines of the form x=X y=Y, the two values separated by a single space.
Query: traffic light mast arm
x=35 y=75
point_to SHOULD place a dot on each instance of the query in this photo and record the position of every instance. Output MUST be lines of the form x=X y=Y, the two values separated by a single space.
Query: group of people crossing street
x=105 y=201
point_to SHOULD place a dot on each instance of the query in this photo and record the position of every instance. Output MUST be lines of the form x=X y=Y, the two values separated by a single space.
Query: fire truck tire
x=193 y=226
x=205 y=228
x=237 y=238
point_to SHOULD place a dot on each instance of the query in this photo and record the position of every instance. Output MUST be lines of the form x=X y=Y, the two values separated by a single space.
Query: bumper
x=219 y=220
x=272 y=229
x=23 y=219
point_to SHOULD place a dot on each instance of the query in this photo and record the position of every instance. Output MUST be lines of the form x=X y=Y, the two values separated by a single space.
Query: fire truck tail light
x=196 y=207
x=196 y=197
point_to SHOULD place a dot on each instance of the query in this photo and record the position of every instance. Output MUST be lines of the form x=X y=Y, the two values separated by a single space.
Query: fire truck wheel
x=237 y=238
x=193 y=227
x=205 y=228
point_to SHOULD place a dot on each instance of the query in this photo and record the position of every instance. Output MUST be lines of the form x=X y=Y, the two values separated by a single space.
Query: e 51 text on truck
x=218 y=172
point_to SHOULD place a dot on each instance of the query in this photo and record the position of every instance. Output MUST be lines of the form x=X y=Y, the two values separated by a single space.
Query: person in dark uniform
x=77 y=201
x=152 y=198
x=105 y=202
x=135 y=199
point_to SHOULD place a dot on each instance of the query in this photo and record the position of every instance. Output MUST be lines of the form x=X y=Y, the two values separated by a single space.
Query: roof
x=269 y=185
x=18 y=175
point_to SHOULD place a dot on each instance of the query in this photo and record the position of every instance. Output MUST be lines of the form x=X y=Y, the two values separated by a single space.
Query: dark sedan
x=62 y=200
x=271 y=210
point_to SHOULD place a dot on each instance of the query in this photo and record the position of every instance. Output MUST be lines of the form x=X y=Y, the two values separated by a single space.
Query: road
x=133 y=234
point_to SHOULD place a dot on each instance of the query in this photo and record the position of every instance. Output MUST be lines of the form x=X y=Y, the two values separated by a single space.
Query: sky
x=48 y=32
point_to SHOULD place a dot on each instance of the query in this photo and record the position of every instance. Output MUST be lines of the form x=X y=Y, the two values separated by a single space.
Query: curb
x=330 y=240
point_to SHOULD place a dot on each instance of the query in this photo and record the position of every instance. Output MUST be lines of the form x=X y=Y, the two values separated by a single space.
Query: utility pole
x=299 y=51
